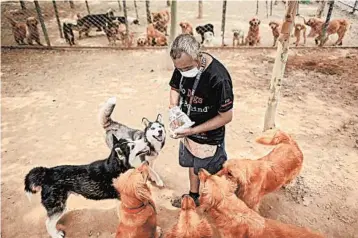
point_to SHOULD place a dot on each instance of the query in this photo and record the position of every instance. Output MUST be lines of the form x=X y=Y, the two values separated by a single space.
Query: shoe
x=176 y=201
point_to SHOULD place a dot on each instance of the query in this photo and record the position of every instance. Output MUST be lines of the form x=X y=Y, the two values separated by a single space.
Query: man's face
x=185 y=63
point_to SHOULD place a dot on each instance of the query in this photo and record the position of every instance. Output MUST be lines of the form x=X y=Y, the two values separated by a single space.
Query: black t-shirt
x=213 y=95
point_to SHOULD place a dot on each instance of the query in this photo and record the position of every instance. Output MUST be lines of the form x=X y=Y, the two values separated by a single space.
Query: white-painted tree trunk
x=280 y=65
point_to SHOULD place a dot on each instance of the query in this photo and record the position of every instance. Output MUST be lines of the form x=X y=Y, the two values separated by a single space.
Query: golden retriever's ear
x=223 y=171
x=203 y=175
x=259 y=22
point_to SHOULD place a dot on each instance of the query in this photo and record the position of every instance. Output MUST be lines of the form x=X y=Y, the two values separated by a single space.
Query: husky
x=92 y=181
x=153 y=134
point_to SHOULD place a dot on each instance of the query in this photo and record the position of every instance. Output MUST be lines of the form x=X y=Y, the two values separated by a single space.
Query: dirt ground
x=237 y=16
x=50 y=103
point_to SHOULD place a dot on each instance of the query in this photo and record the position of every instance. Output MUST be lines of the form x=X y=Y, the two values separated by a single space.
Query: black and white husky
x=153 y=135
x=92 y=181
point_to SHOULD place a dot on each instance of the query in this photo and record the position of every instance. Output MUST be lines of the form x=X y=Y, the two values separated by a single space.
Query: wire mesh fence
x=134 y=23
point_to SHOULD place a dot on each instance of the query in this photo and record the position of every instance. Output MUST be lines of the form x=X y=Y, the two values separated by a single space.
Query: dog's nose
x=160 y=132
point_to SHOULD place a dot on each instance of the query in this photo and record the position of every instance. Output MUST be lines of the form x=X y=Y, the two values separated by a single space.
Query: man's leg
x=194 y=185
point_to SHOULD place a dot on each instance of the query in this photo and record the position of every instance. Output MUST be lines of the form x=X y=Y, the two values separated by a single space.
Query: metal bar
x=257 y=7
x=355 y=6
x=173 y=20
x=271 y=7
x=57 y=18
x=149 y=17
x=72 y=5
x=22 y=4
x=168 y=3
x=126 y=23
x=223 y=23
x=328 y=18
x=88 y=9
x=119 y=5
x=136 y=9
x=41 y=19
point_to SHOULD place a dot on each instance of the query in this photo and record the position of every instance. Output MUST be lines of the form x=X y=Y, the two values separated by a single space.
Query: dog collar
x=135 y=210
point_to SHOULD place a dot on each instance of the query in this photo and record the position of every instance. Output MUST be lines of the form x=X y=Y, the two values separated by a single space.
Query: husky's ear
x=115 y=140
x=159 y=119
x=145 y=121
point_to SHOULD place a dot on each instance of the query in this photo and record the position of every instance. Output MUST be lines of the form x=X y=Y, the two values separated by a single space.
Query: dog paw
x=59 y=234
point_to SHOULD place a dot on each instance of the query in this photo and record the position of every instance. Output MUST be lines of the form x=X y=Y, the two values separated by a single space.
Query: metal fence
x=134 y=23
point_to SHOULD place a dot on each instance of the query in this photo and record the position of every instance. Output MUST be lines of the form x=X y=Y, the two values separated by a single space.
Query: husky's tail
x=34 y=180
x=278 y=138
x=106 y=111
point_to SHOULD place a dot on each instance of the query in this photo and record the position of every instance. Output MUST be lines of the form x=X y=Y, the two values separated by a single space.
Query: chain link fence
x=134 y=23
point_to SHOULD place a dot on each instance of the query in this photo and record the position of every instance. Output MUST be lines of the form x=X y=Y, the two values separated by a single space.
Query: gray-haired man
x=200 y=82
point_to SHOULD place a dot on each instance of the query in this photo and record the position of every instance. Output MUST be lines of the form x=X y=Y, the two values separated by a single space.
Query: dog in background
x=234 y=219
x=298 y=29
x=238 y=37
x=18 y=30
x=142 y=41
x=209 y=39
x=112 y=31
x=92 y=181
x=67 y=29
x=202 y=29
x=253 y=36
x=155 y=37
x=256 y=178
x=186 y=28
x=98 y=21
x=161 y=20
x=137 y=209
x=189 y=224
x=131 y=20
x=33 y=31
x=153 y=135
x=275 y=27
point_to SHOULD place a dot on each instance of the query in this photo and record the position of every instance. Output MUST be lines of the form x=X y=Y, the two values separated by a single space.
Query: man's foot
x=176 y=201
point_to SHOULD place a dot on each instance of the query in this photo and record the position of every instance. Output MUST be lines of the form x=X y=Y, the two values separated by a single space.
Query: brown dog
x=275 y=27
x=336 y=26
x=33 y=31
x=186 y=28
x=155 y=37
x=190 y=225
x=255 y=178
x=253 y=36
x=161 y=20
x=137 y=209
x=18 y=30
x=298 y=29
x=234 y=219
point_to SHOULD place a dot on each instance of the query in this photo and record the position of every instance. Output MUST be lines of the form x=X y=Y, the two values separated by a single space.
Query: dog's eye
x=152 y=128
x=132 y=147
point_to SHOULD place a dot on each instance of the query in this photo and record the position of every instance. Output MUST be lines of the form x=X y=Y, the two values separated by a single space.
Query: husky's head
x=154 y=131
x=129 y=151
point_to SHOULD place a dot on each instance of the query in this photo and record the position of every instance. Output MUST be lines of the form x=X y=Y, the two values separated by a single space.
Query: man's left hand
x=183 y=133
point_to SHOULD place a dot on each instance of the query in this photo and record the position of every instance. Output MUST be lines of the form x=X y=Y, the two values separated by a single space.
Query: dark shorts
x=211 y=164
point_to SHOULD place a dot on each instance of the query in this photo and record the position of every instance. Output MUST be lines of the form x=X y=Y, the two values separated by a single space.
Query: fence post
x=173 y=20
x=57 y=18
x=168 y=3
x=22 y=4
x=119 y=5
x=257 y=7
x=126 y=23
x=136 y=9
x=88 y=9
x=223 y=22
x=271 y=7
x=328 y=18
x=355 y=7
x=266 y=9
x=149 y=17
x=72 y=5
x=43 y=26
x=200 y=15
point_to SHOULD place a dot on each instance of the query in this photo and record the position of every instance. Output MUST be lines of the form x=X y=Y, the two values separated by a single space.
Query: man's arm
x=174 y=98
x=218 y=121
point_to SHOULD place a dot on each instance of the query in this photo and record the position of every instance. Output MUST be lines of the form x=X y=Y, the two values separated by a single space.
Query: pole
x=173 y=20
x=328 y=18
x=149 y=18
x=57 y=18
x=271 y=7
x=119 y=5
x=43 y=26
x=125 y=16
x=22 y=4
x=72 y=5
x=257 y=7
x=200 y=15
x=266 y=9
x=88 y=9
x=136 y=9
x=355 y=7
x=223 y=23
x=168 y=3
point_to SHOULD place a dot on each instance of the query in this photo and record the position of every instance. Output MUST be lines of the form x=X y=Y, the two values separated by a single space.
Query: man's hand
x=183 y=133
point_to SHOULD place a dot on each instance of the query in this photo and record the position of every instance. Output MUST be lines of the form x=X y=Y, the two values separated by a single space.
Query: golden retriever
x=186 y=28
x=161 y=19
x=234 y=219
x=253 y=36
x=190 y=225
x=155 y=37
x=298 y=29
x=255 y=178
x=137 y=209
x=18 y=30
x=275 y=27
x=33 y=31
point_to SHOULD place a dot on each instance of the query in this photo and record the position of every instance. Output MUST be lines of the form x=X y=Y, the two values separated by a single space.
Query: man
x=200 y=82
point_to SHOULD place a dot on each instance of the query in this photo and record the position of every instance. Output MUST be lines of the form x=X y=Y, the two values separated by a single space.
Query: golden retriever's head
x=254 y=22
x=31 y=22
x=215 y=189
x=156 y=16
x=133 y=183
x=312 y=22
x=273 y=25
x=187 y=203
x=184 y=25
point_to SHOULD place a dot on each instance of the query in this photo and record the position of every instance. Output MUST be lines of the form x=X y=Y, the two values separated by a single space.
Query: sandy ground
x=50 y=103
x=237 y=16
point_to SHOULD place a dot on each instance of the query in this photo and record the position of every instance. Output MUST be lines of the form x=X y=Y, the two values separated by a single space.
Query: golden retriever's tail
x=278 y=138
x=106 y=112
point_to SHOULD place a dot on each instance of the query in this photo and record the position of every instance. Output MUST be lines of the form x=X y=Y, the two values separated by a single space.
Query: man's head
x=185 y=52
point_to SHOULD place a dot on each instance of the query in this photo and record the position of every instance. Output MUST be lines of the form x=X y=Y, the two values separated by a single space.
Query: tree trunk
x=173 y=20
x=200 y=15
x=126 y=23
x=119 y=6
x=257 y=7
x=266 y=9
x=149 y=17
x=72 y=5
x=22 y=4
x=168 y=3
x=271 y=7
x=223 y=23
x=320 y=8
x=136 y=9
x=328 y=18
x=88 y=9
x=279 y=65
x=57 y=18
